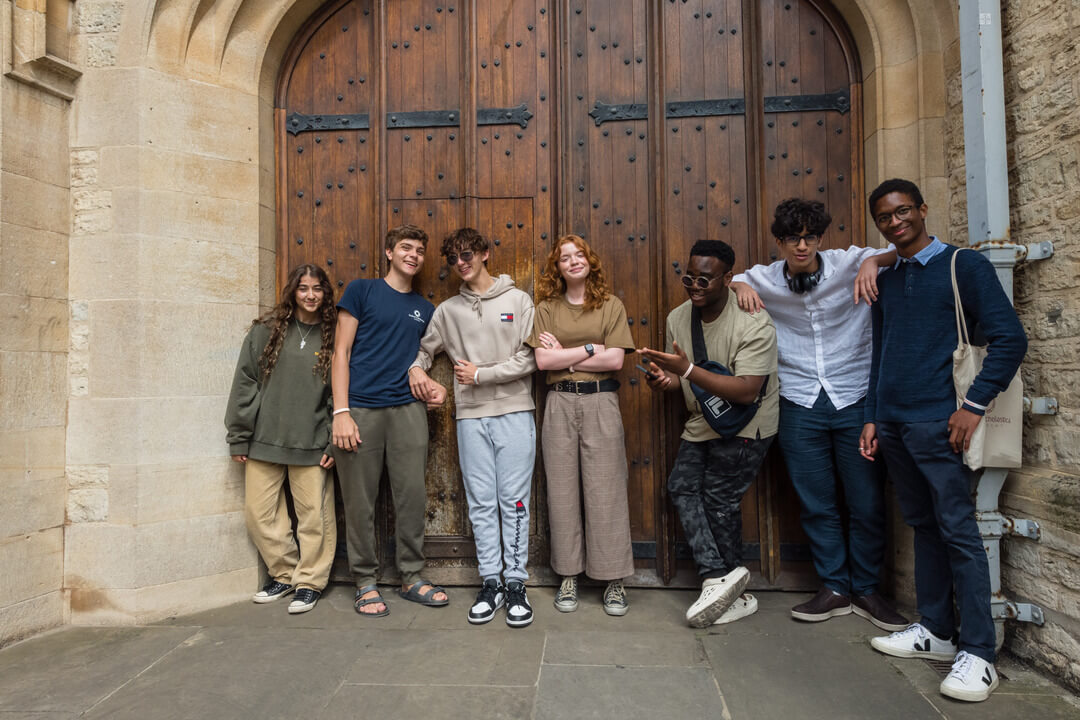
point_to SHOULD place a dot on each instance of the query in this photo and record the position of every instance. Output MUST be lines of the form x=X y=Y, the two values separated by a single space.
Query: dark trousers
x=933 y=487
x=395 y=438
x=821 y=445
x=706 y=486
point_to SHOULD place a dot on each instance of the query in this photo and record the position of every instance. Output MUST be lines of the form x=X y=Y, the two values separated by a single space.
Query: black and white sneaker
x=304 y=600
x=271 y=591
x=915 y=642
x=518 y=611
x=488 y=600
x=972 y=679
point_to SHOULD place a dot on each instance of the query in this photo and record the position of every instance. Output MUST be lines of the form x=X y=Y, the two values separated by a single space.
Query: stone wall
x=33 y=354
x=164 y=281
x=1042 y=84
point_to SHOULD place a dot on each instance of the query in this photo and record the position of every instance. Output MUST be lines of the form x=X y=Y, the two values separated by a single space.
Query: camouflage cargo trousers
x=706 y=486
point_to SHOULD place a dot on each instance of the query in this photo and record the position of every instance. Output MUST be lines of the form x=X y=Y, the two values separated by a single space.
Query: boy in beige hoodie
x=483 y=329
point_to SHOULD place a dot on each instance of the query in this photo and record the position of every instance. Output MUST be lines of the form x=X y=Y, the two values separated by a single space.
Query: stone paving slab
x=626 y=649
x=829 y=678
x=446 y=657
x=71 y=670
x=257 y=661
x=438 y=702
x=623 y=693
x=237 y=673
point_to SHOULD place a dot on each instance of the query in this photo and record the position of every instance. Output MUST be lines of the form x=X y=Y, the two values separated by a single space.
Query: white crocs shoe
x=972 y=679
x=915 y=642
x=744 y=605
x=717 y=595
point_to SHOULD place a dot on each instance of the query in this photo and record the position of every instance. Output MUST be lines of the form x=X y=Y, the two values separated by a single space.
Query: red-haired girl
x=581 y=336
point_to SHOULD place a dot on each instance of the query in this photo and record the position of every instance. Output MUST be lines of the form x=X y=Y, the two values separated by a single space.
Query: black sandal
x=413 y=594
x=360 y=601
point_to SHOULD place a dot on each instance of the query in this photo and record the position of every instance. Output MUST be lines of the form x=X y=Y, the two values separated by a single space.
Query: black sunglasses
x=452 y=258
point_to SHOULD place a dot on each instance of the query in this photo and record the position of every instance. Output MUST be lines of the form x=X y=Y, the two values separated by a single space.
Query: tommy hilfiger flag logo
x=507 y=317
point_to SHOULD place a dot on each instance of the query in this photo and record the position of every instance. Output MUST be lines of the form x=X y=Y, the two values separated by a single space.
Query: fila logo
x=926 y=646
x=507 y=317
x=416 y=316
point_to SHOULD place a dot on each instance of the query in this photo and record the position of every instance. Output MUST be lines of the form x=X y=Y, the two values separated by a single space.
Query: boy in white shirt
x=823 y=339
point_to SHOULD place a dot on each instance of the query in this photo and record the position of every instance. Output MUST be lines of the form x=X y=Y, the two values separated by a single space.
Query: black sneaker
x=271 y=591
x=304 y=600
x=488 y=600
x=518 y=611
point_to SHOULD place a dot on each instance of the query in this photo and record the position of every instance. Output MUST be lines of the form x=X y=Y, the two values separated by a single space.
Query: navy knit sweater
x=915 y=335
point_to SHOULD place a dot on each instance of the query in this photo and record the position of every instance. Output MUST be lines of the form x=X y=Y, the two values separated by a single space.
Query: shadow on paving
x=257 y=661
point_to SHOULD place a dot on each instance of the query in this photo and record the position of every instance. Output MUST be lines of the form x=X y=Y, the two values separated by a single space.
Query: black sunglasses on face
x=701 y=281
x=466 y=255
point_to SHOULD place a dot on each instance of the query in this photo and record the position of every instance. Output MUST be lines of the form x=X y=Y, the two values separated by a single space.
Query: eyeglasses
x=901 y=213
x=793 y=240
x=701 y=281
x=452 y=258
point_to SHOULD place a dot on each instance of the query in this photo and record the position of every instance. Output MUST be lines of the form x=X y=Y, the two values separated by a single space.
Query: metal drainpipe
x=986 y=162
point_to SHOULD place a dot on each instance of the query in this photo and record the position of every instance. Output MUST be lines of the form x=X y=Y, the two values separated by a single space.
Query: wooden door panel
x=607 y=192
x=395 y=111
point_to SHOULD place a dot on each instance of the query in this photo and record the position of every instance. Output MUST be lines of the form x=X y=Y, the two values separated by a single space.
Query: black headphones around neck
x=800 y=283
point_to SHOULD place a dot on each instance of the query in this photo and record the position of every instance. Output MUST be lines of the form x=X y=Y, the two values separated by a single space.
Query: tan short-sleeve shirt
x=746 y=345
x=575 y=326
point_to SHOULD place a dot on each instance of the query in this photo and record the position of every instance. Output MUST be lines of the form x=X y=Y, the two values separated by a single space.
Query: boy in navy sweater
x=911 y=411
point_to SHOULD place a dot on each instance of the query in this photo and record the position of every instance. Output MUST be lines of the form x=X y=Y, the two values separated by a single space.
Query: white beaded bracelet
x=688 y=369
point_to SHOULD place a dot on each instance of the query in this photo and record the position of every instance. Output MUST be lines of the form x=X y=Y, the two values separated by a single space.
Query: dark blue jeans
x=821 y=445
x=933 y=487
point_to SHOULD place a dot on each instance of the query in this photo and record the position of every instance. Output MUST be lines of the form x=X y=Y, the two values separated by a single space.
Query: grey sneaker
x=566 y=597
x=615 y=599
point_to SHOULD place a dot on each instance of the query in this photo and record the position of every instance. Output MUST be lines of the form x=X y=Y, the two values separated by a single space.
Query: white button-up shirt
x=822 y=336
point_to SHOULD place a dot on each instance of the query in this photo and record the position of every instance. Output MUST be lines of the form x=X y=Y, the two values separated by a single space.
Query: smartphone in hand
x=648 y=373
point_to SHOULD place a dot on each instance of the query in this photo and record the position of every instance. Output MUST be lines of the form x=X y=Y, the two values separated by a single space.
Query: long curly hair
x=281 y=315
x=552 y=284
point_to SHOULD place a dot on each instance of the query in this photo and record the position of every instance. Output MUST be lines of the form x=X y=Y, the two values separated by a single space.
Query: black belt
x=585 y=387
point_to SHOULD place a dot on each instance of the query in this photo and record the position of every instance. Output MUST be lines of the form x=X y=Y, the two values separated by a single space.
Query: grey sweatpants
x=497 y=456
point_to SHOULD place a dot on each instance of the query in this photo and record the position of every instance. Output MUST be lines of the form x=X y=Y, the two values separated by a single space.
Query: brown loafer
x=877 y=610
x=826 y=604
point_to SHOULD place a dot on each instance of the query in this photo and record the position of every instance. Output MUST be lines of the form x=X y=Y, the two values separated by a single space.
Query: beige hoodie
x=489 y=331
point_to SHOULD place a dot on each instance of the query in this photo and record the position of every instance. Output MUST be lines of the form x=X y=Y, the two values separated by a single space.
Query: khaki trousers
x=395 y=438
x=270 y=527
x=585 y=458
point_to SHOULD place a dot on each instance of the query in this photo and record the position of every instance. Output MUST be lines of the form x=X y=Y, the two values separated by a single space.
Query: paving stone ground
x=257 y=661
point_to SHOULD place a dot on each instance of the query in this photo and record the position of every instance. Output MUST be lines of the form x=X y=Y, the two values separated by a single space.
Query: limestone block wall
x=33 y=356
x=164 y=280
x=1042 y=84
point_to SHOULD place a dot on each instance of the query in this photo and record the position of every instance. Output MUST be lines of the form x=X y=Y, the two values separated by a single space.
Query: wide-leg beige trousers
x=585 y=462
x=270 y=527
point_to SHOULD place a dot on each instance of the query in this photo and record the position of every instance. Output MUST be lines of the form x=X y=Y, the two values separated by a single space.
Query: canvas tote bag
x=996 y=441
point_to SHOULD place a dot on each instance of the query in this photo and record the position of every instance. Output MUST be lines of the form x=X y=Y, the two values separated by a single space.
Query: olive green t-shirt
x=746 y=345
x=575 y=326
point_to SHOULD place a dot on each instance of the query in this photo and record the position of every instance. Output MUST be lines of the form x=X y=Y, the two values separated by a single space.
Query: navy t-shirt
x=387 y=338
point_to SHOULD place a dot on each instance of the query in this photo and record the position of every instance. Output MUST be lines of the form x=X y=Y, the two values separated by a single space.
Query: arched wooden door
x=641 y=125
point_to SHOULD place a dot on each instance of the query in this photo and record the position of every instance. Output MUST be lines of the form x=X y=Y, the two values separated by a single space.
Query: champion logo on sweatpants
x=507 y=317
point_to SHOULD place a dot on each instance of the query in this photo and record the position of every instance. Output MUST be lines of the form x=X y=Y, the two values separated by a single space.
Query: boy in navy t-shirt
x=378 y=422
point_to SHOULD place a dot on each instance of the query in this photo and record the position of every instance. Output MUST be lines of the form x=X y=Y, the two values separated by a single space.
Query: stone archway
x=172 y=254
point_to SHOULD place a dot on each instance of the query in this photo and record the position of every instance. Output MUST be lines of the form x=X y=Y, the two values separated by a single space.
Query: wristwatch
x=590 y=349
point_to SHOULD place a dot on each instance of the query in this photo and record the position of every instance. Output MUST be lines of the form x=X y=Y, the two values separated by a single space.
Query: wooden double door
x=642 y=125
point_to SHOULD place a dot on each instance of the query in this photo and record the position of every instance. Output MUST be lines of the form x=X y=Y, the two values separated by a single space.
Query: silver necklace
x=303 y=335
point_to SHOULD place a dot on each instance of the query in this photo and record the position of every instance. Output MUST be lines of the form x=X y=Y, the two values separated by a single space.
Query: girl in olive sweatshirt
x=278 y=422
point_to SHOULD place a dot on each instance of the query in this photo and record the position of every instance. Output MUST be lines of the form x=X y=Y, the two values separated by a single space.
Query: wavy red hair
x=552 y=284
